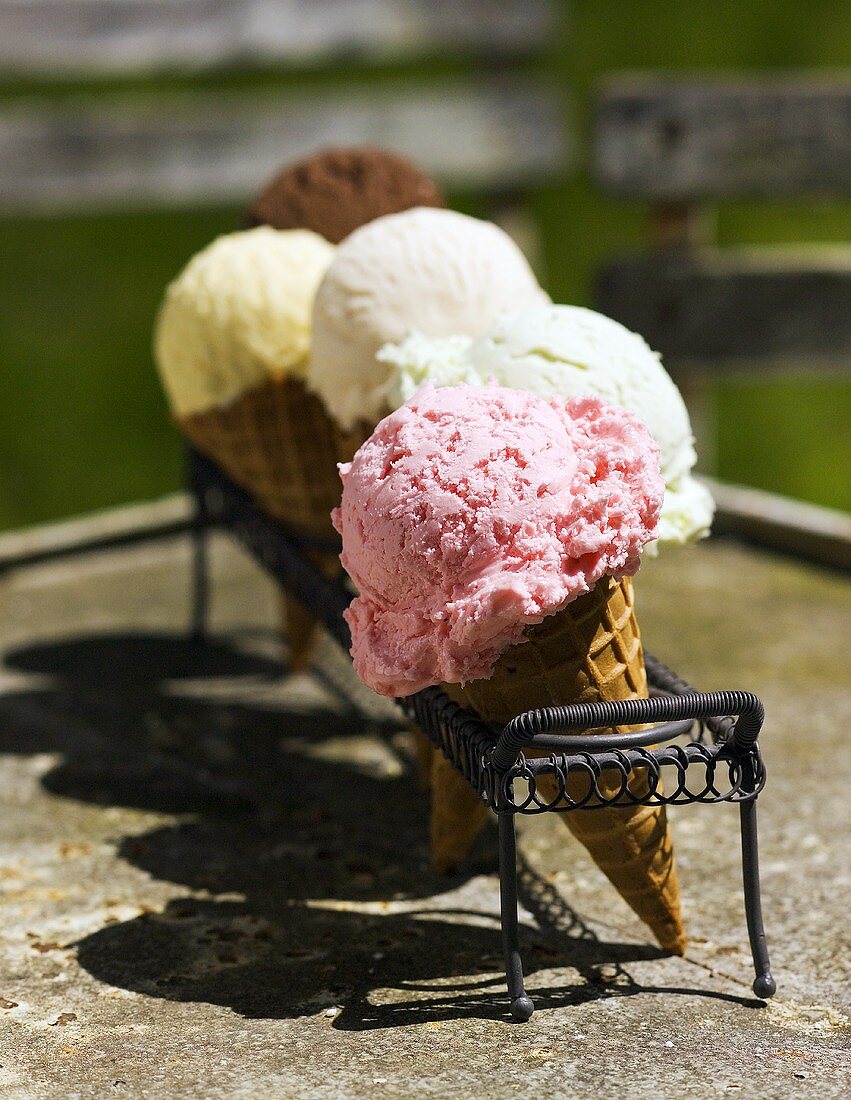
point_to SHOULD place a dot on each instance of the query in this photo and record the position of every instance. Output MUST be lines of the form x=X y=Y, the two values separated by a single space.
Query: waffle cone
x=423 y=754
x=458 y=815
x=298 y=626
x=588 y=652
x=278 y=442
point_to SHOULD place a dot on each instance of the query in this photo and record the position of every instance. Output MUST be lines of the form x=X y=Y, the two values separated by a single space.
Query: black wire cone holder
x=722 y=762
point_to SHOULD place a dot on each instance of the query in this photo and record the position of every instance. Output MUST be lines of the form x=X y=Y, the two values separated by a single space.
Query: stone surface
x=214 y=877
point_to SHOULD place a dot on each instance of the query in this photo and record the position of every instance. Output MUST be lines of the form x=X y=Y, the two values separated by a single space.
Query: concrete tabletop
x=214 y=877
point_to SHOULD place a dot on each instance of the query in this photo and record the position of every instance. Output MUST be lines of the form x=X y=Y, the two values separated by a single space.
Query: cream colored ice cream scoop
x=431 y=271
x=238 y=314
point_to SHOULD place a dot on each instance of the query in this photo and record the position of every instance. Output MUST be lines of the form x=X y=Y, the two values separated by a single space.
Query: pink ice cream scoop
x=472 y=513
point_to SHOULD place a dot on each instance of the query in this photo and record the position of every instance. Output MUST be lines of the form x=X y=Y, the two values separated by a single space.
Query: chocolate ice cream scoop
x=337 y=190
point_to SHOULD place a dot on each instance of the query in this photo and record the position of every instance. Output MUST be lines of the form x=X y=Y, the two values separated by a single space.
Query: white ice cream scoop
x=425 y=270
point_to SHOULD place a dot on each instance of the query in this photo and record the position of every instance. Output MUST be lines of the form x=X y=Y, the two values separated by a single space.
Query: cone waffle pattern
x=278 y=442
x=591 y=651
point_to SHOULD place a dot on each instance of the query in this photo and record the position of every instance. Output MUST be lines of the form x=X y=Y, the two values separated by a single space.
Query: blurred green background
x=83 y=421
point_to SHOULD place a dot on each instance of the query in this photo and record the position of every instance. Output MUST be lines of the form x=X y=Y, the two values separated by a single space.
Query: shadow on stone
x=317 y=829
x=300 y=815
x=363 y=1015
x=378 y=970
x=139 y=657
x=302 y=959
x=116 y=708
x=298 y=960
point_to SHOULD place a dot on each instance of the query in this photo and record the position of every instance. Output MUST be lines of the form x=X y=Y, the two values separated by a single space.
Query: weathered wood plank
x=734 y=308
x=132 y=523
x=47 y=37
x=186 y=148
x=795 y=527
x=699 y=139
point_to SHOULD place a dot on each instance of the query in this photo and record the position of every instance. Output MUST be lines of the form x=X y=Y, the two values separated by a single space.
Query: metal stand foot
x=200 y=581
x=764 y=985
x=522 y=1006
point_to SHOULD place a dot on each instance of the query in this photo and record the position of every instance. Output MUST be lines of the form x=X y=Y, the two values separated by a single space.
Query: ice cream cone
x=590 y=651
x=423 y=754
x=277 y=441
x=298 y=626
x=458 y=815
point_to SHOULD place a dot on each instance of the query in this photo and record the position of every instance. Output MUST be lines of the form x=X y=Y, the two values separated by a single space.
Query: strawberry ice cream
x=474 y=512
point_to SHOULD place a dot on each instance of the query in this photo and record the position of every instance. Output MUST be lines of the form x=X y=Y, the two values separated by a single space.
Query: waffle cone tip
x=424 y=754
x=673 y=940
x=458 y=815
x=658 y=905
x=301 y=632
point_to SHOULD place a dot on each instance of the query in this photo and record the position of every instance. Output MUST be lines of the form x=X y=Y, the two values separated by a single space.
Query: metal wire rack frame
x=721 y=763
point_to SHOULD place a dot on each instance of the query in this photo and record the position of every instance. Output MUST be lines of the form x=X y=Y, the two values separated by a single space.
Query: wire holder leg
x=764 y=985
x=522 y=1006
